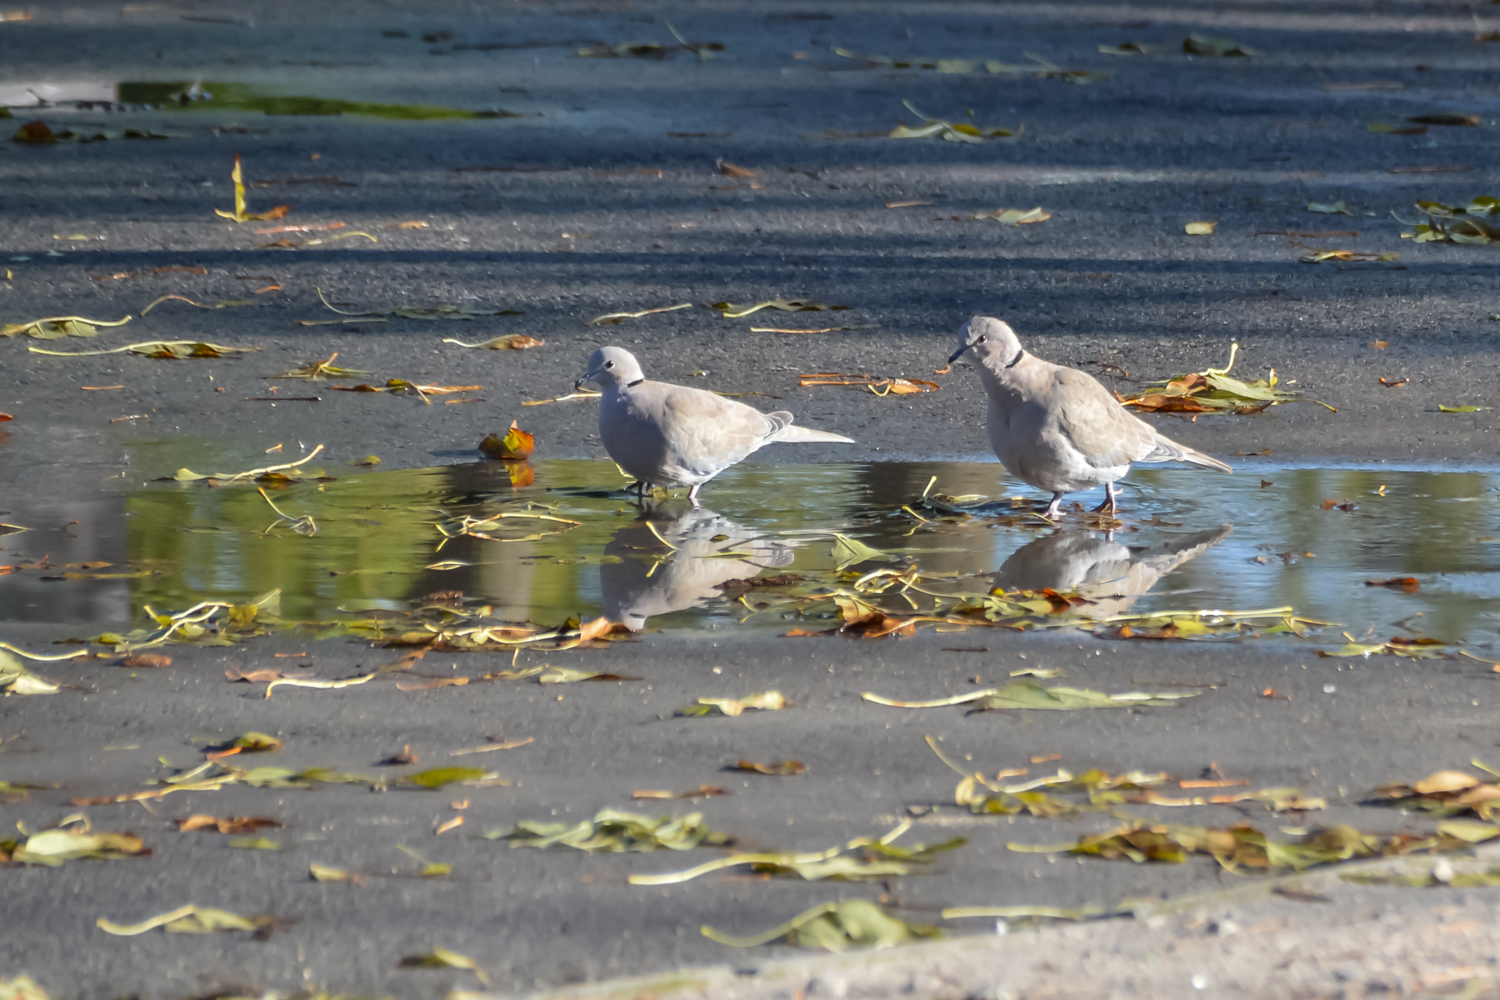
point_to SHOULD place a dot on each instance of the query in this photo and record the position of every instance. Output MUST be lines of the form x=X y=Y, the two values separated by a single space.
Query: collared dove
x=1057 y=428
x=672 y=435
x=666 y=564
x=1102 y=570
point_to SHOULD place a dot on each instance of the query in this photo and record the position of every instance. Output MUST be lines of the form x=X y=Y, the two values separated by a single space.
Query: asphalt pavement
x=598 y=185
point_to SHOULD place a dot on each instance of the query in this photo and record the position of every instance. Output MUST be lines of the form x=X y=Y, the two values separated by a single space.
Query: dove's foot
x=693 y=496
x=1109 y=505
x=1054 y=509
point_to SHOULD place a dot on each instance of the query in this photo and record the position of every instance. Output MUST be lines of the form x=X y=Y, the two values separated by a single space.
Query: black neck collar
x=1017 y=359
x=632 y=385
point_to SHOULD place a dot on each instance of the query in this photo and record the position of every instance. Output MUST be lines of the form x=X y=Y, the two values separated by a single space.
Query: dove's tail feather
x=1167 y=450
x=805 y=435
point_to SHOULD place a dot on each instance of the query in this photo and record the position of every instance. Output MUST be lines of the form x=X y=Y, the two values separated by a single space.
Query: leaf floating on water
x=615 y=831
x=1016 y=216
x=58 y=327
x=767 y=701
x=188 y=475
x=780 y=768
x=854 y=923
x=621 y=316
x=851 y=551
x=239 y=214
x=731 y=311
x=183 y=920
x=507 y=342
x=1213 y=391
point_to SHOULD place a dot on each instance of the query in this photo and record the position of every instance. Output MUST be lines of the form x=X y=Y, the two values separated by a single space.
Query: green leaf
x=437 y=777
x=1462 y=409
x=851 y=551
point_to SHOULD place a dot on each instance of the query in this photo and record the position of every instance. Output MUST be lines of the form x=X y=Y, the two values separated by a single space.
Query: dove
x=1057 y=428
x=673 y=435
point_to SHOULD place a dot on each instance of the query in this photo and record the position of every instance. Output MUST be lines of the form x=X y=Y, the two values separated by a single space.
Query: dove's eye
x=980 y=340
x=609 y=364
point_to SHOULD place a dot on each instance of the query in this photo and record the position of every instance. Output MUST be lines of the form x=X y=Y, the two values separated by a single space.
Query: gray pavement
x=577 y=222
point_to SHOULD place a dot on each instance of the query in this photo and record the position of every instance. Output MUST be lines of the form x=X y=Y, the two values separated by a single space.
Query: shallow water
x=377 y=545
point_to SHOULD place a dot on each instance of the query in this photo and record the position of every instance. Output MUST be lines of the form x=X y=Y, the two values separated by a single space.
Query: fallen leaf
x=443 y=311
x=1347 y=506
x=162 y=349
x=451 y=824
x=780 y=768
x=185 y=919
x=239 y=214
x=732 y=170
x=609 y=318
x=1016 y=216
x=1201 y=228
x=429 y=685
x=1387 y=129
x=854 y=923
x=34 y=132
x=1029 y=694
x=55 y=847
x=761 y=701
x=57 y=327
x=144 y=661
x=1457 y=223
x=516 y=446
x=950 y=131
x=1330 y=208
x=442 y=958
x=615 y=831
x=1462 y=409
x=1471 y=121
x=227 y=304
x=227 y=825
x=1393 y=385
x=731 y=311
x=490 y=747
x=1202 y=45
x=1213 y=391
x=1406 y=583
x=508 y=342
x=438 y=777
x=701 y=792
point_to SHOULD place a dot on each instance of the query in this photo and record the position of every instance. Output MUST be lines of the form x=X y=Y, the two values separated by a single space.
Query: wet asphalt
x=588 y=205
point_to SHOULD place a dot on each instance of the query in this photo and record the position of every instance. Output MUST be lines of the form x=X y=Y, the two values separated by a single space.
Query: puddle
x=220 y=96
x=188 y=95
x=1186 y=541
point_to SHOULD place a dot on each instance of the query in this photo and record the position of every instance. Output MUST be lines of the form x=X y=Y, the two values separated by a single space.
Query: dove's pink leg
x=1052 y=511
x=693 y=495
x=1109 y=500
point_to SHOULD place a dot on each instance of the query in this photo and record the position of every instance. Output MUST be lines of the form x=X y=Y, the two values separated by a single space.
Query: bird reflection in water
x=681 y=563
x=1101 y=569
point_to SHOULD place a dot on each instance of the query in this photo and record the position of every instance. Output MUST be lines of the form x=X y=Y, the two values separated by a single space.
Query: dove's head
x=611 y=366
x=993 y=343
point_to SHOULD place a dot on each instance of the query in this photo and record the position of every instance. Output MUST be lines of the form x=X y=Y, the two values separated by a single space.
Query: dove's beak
x=958 y=353
x=582 y=379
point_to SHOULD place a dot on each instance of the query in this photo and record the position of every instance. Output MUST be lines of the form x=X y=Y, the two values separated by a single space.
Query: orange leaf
x=517 y=445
